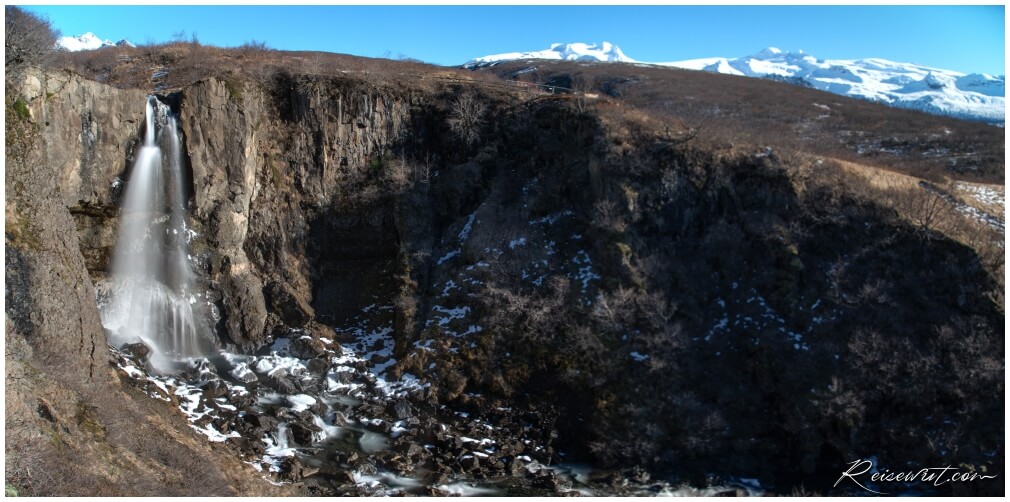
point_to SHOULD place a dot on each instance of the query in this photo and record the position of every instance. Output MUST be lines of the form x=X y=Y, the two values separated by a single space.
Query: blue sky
x=967 y=39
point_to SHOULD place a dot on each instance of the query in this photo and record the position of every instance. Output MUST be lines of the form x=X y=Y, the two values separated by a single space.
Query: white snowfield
x=605 y=52
x=87 y=42
x=974 y=96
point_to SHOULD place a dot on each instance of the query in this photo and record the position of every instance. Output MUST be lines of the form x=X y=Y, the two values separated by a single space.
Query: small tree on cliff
x=30 y=40
x=466 y=117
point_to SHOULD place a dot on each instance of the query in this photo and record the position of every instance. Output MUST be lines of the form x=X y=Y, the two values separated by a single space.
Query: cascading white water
x=152 y=298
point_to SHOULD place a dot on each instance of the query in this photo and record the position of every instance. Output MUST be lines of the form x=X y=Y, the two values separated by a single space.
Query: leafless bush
x=29 y=41
x=614 y=310
x=399 y=172
x=467 y=117
x=607 y=215
x=422 y=171
x=924 y=208
x=253 y=47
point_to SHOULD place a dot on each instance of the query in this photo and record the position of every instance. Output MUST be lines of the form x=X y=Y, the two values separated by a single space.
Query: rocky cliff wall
x=266 y=169
x=71 y=427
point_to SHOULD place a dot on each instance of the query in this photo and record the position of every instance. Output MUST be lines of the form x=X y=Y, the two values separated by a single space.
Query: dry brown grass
x=741 y=110
x=965 y=191
x=925 y=209
x=170 y=66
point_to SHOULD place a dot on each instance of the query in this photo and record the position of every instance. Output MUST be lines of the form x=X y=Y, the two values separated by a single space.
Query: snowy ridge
x=974 y=96
x=87 y=42
x=942 y=92
x=605 y=52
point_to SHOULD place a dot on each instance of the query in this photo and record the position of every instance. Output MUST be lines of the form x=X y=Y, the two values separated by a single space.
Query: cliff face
x=224 y=166
x=260 y=178
x=72 y=428
x=50 y=296
x=668 y=300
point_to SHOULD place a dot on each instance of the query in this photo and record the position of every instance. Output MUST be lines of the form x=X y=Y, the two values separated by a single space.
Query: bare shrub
x=924 y=208
x=607 y=215
x=29 y=41
x=422 y=170
x=614 y=310
x=466 y=118
x=398 y=172
x=253 y=47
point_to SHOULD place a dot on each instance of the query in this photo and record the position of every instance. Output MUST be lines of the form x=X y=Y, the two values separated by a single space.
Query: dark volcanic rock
x=214 y=389
x=306 y=347
x=318 y=366
x=401 y=409
x=138 y=351
x=294 y=311
x=303 y=432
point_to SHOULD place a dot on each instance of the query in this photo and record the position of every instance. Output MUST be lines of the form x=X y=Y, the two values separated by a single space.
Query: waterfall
x=153 y=299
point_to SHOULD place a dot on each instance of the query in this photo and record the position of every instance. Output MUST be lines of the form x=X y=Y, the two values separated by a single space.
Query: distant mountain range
x=88 y=41
x=974 y=96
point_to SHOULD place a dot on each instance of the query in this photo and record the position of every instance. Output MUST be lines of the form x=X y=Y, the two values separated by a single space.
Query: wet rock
x=494 y=464
x=214 y=389
x=736 y=492
x=469 y=462
x=547 y=479
x=343 y=376
x=303 y=432
x=281 y=382
x=310 y=386
x=367 y=468
x=243 y=374
x=318 y=366
x=396 y=463
x=516 y=467
x=304 y=415
x=140 y=352
x=201 y=370
x=291 y=468
x=319 y=408
x=306 y=347
x=264 y=422
x=343 y=477
x=431 y=491
x=401 y=410
x=442 y=475
x=242 y=401
x=415 y=450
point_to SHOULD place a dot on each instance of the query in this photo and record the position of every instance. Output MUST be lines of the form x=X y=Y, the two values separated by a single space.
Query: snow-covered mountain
x=605 y=52
x=973 y=96
x=88 y=41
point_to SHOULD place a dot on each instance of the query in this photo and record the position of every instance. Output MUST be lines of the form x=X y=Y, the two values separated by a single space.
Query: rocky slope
x=590 y=283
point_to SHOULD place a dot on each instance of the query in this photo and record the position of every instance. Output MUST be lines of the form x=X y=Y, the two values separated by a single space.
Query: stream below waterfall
x=333 y=426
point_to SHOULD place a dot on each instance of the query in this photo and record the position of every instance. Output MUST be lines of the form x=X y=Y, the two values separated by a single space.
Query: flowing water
x=152 y=288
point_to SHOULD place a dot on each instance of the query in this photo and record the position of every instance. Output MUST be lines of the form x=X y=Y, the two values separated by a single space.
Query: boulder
x=140 y=352
x=306 y=347
x=401 y=410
